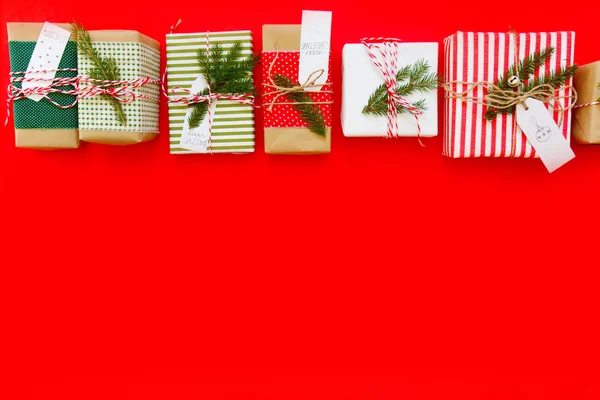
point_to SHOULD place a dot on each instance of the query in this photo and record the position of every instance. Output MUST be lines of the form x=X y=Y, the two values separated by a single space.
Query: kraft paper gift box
x=482 y=56
x=586 y=119
x=360 y=79
x=285 y=132
x=42 y=125
x=137 y=57
x=232 y=127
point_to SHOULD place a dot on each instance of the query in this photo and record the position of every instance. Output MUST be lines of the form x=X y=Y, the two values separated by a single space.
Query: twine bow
x=122 y=90
x=279 y=91
x=384 y=55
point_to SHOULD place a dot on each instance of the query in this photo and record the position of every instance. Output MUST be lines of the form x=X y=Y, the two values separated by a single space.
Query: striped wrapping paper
x=474 y=57
x=233 y=123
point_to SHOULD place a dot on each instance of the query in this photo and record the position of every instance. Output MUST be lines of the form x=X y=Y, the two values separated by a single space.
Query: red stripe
x=454 y=101
x=503 y=117
x=567 y=102
x=463 y=114
x=474 y=106
x=528 y=50
x=446 y=117
x=493 y=78
x=486 y=78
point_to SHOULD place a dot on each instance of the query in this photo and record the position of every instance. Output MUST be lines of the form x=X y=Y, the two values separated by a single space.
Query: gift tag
x=46 y=57
x=197 y=139
x=543 y=134
x=315 y=38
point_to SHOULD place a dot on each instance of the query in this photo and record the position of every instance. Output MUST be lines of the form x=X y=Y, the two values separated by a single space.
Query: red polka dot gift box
x=295 y=121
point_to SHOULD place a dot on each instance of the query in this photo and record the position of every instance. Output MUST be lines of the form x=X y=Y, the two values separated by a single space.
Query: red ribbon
x=384 y=54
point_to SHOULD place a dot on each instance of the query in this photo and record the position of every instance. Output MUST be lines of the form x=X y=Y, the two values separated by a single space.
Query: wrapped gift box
x=42 y=125
x=232 y=129
x=475 y=57
x=285 y=132
x=360 y=79
x=586 y=119
x=137 y=56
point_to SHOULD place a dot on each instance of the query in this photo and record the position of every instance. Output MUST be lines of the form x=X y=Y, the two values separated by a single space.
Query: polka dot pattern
x=284 y=116
x=135 y=60
x=29 y=114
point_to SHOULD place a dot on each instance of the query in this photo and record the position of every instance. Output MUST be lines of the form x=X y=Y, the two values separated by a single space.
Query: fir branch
x=411 y=79
x=104 y=68
x=525 y=69
x=199 y=111
x=309 y=113
x=226 y=72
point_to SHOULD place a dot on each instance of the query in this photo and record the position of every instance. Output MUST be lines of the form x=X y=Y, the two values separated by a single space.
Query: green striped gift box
x=233 y=123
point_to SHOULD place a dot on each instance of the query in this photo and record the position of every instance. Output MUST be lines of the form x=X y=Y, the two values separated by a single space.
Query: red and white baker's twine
x=122 y=90
x=594 y=103
x=186 y=96
x=384 y=55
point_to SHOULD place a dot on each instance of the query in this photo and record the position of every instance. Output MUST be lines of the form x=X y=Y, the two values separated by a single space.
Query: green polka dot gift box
x=42 y=124
x=137 y=57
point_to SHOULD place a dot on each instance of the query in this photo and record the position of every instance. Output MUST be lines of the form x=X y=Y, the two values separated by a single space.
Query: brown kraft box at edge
x=290 y=140
x=44 y=139
x=586 y=120
x=119 y=137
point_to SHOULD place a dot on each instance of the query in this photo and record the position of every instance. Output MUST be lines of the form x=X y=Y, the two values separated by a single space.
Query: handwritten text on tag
x=315 y=39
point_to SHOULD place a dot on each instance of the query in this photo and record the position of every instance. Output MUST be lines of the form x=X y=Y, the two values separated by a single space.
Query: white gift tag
x=543 y=134
x=46 y=56
x=315 y=38
x=197 y=139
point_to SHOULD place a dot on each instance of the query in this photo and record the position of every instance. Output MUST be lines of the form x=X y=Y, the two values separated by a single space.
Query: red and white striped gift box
x=481 y=56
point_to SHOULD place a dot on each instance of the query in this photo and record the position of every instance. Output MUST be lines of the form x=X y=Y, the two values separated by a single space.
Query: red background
x=382 y=270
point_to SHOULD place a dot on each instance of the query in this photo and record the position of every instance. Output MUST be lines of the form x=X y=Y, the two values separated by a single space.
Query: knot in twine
x=122 y=91
x=279 y=91
x=384 y=55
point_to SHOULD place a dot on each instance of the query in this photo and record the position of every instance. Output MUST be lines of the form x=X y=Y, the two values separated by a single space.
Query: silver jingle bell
x=514 y=81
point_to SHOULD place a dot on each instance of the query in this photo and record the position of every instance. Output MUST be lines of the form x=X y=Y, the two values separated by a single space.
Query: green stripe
x=247 y=45
x=217 y=119
x=210 y=35
x=249 y=147
x=220 y=105
x=221 y=140
x=220 y=114
x=217 y=133
x=181 y=65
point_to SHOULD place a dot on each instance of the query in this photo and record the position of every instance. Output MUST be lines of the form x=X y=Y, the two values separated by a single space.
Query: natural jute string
x=279 y=91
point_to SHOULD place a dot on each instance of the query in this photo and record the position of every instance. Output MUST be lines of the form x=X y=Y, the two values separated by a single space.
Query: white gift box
x=360 y=79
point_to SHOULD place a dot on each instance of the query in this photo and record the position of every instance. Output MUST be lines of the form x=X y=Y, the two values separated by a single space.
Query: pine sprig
x=226 y=72
x=525 y=69
x=104 y=68
x=309 y=113
x=199 y=111
x=411 y=79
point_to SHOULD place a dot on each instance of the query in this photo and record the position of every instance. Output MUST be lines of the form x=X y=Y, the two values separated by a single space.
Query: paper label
x=543 y=133
x=46 y=56
x=315 y=39
x=197 y=139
